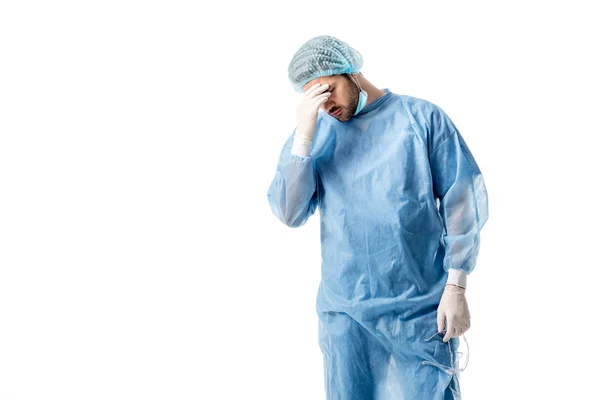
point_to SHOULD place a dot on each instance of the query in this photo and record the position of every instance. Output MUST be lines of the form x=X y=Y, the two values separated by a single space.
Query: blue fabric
x=378 y=181
x=322 y=56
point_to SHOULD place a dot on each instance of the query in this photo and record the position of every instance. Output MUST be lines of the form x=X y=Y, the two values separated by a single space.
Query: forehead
x=330 y=80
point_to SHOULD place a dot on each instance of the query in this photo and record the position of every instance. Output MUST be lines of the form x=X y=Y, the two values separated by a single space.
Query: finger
x=466 y=324
x=440 y=321
x=318 y=90
x=320 y=102
x=326 y=95
x=322 y=96
x=449 y=332
x=312 y=89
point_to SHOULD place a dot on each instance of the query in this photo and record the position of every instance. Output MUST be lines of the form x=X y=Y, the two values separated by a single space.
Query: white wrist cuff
x=457 y=277
x=301 y=147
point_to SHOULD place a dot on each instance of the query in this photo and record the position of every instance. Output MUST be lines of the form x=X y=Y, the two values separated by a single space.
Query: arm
x=292 y=194
x=459 y=186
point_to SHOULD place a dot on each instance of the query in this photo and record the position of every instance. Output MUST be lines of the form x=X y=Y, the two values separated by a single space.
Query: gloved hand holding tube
x=453 y=307
x=308 y=108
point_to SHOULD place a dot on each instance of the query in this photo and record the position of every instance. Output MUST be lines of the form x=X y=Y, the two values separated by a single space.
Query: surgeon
x=402 y=203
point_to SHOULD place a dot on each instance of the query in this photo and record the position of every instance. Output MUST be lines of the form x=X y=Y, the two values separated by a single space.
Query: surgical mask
x=362 y=100
x=454 y=369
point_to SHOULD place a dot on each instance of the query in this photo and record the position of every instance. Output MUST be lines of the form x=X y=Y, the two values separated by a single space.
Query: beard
x=352 y=102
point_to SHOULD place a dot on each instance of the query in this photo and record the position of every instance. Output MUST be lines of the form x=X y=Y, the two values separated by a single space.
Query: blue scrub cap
x=322 y=56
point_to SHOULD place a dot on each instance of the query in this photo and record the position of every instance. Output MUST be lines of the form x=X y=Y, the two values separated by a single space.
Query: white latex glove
x=453 y=307
x=308 y=107
x=307 y=112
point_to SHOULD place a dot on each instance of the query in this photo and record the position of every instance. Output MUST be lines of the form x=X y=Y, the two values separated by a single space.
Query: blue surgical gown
x=401 y=201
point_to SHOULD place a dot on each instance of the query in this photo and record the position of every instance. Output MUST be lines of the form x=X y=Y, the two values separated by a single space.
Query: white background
x=139 y=258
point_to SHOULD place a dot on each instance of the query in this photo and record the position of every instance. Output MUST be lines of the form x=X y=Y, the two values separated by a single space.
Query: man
x=402 y=203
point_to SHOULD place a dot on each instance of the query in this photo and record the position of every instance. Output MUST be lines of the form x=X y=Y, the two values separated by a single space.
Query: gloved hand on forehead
x=308 y=107
x=307 y=113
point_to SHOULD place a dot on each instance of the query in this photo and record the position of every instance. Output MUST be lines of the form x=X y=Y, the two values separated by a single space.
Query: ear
x=354 y=78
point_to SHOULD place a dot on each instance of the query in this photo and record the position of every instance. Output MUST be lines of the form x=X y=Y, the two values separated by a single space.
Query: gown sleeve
x=293 y=193
x=459 y=187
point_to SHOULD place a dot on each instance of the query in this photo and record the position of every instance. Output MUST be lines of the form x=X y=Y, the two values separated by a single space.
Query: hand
x=453 y=306
x=308 y=107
